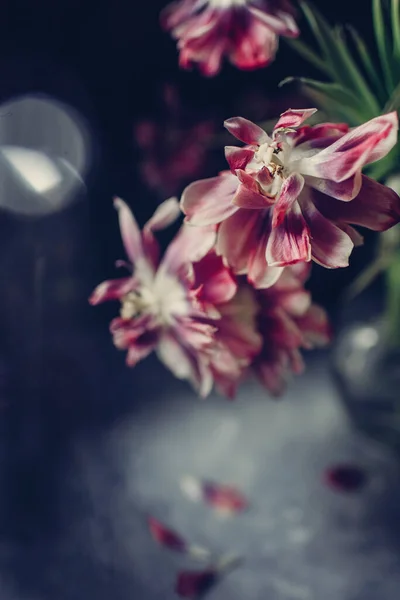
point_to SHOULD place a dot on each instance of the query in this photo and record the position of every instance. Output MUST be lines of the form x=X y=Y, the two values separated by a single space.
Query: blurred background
x=93 y=105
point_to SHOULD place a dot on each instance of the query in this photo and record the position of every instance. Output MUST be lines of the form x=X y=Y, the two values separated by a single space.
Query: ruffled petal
x=113 y=289
x=238 y=237
x=217 y=284
x=165 y=214
x=247 y=198
x=360 y=146
x=294 y=117
x=238 y=158
x=189 y=245
x=290 y=191
x=281 y=23
x=209 y=201
x=376 y=207
x=289 y=242
x=345 y=190
x=331 y=246
x=130 y=232
x=246 y=131
x=185 y=363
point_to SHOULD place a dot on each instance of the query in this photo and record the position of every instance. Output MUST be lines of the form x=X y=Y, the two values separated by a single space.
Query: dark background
x=61 y=380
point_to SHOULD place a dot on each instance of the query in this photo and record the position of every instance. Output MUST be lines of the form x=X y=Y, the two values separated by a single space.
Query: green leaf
x=394 y=101
x=308 y=54
x=384 y=167
x=365 y=60
x=335 y=110
x=342 y=65
x=396 y=29
x=381 y=42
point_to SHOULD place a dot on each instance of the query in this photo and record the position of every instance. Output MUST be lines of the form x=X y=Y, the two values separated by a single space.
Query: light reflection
x=45 y=151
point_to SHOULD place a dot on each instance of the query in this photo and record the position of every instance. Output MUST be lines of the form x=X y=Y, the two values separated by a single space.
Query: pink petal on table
x=224 y=498
x=195 y=584
x=173 y=541
x=345 y=478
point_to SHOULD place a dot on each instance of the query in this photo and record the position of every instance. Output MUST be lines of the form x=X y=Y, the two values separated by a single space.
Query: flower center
x=164 y=298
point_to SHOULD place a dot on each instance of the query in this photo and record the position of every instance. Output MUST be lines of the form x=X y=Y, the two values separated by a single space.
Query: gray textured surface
x=300 y=540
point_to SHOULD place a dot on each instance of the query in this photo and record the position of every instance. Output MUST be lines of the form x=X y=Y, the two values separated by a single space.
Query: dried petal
x=345 y=478
x=222 y=498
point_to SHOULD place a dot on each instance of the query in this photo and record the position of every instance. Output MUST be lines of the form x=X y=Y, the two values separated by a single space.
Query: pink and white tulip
x=288 y=322
x=293 y=197
x=159 y=306
x=245 y=31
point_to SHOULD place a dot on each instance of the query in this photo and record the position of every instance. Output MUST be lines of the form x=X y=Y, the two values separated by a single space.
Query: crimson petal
x=238 y=158
x=345 y=478
x=289 y=243
x=376 y=207
x=331 y=246
x=294 y=117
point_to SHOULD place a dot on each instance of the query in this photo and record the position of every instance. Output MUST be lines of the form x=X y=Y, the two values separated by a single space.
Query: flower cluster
x=294 y=196
x=245 y=31
x=227 y=299
x=206 y=324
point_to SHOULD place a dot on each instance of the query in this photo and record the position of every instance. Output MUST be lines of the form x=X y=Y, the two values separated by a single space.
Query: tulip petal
x=184 y=363
x=217 y=283
x=246 y=131
x=189 y=245
x=246 y=198
x=290 y=191
x=289 y=242
x=259 y=273
x=360 y=146
x=344 y=190
x=165 y=214
x=294 y=117
x=281 y=23
x=238 y=158
x=238 y=237
x=130 y=232
x=331 y=246
x=113 y=289
x=376 y=207
x=209 y=201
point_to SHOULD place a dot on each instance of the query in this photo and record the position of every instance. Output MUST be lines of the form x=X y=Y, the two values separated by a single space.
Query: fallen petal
x=345 y=478
x=173 y=541
x=223 y=498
